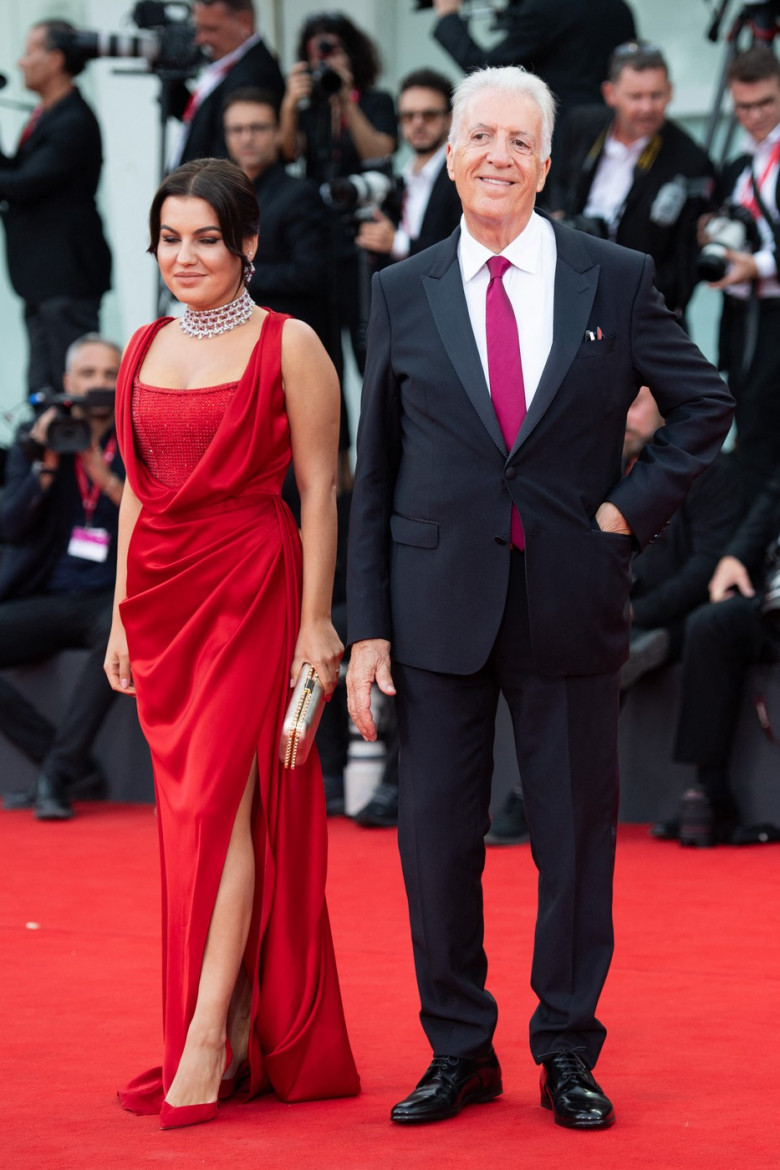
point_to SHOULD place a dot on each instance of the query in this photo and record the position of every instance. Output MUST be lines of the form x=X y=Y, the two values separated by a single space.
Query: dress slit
x=211 y=615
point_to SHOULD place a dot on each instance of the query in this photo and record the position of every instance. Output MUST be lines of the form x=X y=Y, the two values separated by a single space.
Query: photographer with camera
x=58 y=522
x=722 y=640
x=226 y=31
x=430 y=207
x=750 y=322
x=334 y=118
x=58 y=259
x=630 y=174
x=291 y=260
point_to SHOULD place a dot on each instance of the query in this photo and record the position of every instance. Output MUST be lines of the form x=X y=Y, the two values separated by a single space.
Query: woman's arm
x=117 y=662
x=313 y=407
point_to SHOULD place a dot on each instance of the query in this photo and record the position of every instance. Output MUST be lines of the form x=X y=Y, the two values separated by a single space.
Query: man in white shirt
x=750 y=323
x=630 y=174
x=490 y=546
x=431 y=207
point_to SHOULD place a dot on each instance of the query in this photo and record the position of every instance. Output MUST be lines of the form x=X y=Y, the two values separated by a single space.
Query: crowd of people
x=551 y=544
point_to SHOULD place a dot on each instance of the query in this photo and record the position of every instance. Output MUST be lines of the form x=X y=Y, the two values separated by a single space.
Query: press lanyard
x=90 y=492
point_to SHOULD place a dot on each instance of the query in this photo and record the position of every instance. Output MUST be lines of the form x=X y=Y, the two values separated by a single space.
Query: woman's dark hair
x=362 y=52
x=222 y=185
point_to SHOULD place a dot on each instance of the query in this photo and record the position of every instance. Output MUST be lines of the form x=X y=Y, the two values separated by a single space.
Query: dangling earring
x=249 y=270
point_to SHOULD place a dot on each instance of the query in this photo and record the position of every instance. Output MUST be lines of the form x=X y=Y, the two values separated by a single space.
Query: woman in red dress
x=218 y=604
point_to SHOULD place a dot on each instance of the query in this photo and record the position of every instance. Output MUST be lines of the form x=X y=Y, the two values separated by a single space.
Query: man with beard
x=431 y=207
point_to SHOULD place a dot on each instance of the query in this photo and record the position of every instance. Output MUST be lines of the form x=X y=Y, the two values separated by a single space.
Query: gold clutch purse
x=302 y=718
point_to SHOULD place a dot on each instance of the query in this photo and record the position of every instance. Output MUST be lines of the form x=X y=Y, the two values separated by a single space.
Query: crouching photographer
x=58 y=522
x=750 y=322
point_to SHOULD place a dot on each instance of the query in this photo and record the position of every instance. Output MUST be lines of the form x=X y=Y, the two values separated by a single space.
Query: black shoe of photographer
x=509 y=826
x=381 y=812
x=13 y=801
x=51 y=804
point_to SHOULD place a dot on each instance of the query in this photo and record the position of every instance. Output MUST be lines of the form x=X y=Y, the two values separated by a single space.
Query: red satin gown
x=211 y=616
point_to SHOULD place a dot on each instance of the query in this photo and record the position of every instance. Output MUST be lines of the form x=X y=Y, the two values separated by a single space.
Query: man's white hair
x=511 y=79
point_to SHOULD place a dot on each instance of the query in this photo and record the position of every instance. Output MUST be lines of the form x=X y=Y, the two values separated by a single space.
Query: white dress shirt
x=417 y=195
x=530 y=286
x=765 y=258
x=614 y=179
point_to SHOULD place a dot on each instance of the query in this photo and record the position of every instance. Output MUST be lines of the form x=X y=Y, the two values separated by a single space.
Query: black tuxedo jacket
x=442 y=215
x=292 y=251
x=672 y=152
x=567 y=42
x=54 y=238
x=206 y=139
x=429 y=550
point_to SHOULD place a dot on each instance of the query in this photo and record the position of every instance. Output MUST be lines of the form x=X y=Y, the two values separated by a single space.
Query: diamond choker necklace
x=202 y=323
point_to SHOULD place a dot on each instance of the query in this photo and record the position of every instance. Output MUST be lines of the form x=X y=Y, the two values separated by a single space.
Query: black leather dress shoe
x=51 y=804
x=450 y=1083
x=570 y=1090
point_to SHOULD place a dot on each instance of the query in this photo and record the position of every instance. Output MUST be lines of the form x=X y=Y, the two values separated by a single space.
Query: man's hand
x=742 y=267
x=610 y=519
x=376 y=235
x=730 y=577
x=369 y=662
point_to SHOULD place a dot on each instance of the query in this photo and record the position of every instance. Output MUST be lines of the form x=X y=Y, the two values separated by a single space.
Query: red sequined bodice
x=173 y=428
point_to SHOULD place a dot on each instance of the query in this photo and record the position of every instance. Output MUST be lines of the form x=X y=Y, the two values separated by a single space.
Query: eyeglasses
x=755 y=107
x=428 y=116
x=250 y=128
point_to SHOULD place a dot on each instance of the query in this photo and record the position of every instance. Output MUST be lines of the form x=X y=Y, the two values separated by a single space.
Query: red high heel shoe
x=177 y=1116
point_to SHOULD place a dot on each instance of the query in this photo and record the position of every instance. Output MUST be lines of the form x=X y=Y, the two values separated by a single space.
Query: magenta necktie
x=505 y=368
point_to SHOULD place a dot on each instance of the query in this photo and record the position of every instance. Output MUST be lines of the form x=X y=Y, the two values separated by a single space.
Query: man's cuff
x=766 y=264
x=400 y=248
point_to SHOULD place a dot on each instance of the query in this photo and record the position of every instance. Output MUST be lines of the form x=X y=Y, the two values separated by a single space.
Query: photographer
x=58 y=520
x=332 y=115
x=750 y=322
x=58 y=259
x=430 y=207
x=722 y=640
x=632 y=175
x=226 y=31
x=291 y=260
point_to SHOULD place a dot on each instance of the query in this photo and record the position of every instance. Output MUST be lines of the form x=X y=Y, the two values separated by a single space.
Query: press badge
x=90 y=544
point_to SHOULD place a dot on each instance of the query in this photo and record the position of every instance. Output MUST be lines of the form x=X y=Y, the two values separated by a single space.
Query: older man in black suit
x=566 y=42
x=58 y=259
x=226 y=30
x=490 y=551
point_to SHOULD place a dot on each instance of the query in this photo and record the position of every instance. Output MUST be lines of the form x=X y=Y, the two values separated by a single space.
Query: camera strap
x=758 y=204
x=90 y=492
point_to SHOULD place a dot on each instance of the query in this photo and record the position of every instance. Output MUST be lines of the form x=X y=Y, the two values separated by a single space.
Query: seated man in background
x=670 y=579
x=58 y=522
x=627 y=172
x=431 y=208
x=722 y=640
x=291 y=261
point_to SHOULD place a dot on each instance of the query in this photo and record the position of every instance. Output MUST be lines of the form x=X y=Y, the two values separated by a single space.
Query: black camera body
x=67 y=434
x=732 y=229
x=357 y=197
x=325 y=81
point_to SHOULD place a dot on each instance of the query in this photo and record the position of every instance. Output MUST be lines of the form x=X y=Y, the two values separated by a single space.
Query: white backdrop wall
x=126 y=106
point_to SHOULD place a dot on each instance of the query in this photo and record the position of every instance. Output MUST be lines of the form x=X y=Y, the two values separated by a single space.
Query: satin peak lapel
x=444 y=290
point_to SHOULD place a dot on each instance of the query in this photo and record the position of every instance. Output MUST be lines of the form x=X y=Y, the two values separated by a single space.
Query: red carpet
x=692 y=1004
